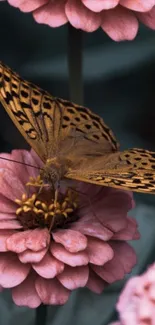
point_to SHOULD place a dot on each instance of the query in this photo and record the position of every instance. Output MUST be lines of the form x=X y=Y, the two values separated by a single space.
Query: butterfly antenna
x=19 y=162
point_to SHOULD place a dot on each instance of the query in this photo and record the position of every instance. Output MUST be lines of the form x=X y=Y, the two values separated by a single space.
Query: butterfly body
x=73 y=142
x=54 y=170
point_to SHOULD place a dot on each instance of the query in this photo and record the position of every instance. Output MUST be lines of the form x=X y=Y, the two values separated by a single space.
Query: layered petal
x=51 y=292
x=41 y=264
x=120 y=24
x=25 y=294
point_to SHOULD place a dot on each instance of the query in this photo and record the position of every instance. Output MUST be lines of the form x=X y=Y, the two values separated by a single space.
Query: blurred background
x=119 y=81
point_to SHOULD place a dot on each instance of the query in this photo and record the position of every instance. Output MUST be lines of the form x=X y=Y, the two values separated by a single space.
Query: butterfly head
x=54 y=170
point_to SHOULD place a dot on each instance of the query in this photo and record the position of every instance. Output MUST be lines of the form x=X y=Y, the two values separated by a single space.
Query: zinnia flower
x=47 y=251
x=136 y=303
x=118 y=18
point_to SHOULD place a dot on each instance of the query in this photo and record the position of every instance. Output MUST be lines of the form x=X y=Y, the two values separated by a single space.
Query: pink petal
x=81 y=17
x=92 y=228
x=51 y=292
x=113 y=216
x=99 y=252
x=8 y=216
x=95 y=283
x=146 y=310
x=29 y=256
x=49 y=267
x=28 y=159
x=72 y=240
x=124 y=254
x=109 y=272
x=4 y=234
x=27 y=5
x=99 y=5
x=120 y=24
x=127 y=293
x=73 y=278
x=7 y=206
x=52 y=14
x=12 y=271
x=35 y=240
x=7 y=185
x=130 y=231
x=140 y=5
x=147 y=18
x=76 y=259
x=25 y=294
x=10 y=224
x=123 y=261
x=16 y=168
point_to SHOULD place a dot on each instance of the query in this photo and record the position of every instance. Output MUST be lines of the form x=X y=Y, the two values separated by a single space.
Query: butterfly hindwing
x=132 y=169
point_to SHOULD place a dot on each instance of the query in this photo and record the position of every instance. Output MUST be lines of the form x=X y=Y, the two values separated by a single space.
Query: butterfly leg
x=56 y=194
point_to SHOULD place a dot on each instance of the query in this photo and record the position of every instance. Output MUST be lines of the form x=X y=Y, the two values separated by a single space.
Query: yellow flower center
x=42 y=210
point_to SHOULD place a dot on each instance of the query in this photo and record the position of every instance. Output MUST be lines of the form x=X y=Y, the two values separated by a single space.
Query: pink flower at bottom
x=118 y=18
x=44 y=258
x=136 y=304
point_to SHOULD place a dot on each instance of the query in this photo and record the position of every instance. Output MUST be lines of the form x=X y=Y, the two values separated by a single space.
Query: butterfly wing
x=130 y=170
x=50 y=125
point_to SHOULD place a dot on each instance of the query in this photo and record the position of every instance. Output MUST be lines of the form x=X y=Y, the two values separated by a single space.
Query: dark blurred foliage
x=119 y=81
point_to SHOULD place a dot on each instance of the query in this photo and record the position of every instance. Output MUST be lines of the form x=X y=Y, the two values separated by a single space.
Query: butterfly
x=72 y=141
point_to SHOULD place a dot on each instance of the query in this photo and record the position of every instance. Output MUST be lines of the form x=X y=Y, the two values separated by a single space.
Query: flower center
x=41 y=209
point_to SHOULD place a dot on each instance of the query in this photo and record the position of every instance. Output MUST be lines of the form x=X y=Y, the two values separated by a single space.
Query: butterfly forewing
x=58 y=128
x=46 y=121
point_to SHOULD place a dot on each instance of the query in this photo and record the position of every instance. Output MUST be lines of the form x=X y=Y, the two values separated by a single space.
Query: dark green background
x=119 y=84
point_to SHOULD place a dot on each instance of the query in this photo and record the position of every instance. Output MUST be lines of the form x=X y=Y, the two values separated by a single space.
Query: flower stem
x=41 y=315
x=75 y=65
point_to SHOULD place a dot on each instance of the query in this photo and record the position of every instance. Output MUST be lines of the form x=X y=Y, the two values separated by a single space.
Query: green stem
x=75 y=65
x=41 y=315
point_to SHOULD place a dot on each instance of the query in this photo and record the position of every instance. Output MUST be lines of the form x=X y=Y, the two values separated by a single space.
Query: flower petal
x=73 y=278
x=27 y=5
x=72 y=240
x=7 y=185
x=123 y=261
x=7 y=206
x=10 y=224
x=81 y=17
x=51 y=292
x=25 y=294
x=140 y=5
x=129 y=232
x=34 y=240
x=112 y=209
x=52 y=14
x=99 y=5
x=119 y=23
x=4 y=234
x=95 y=283
x=147 y=18
x=99 y=252
x=12 y=271
x=29 y=256
x=109 y=272
x=76 y=259
x=49 y=267
x=92 y=228
x=124 y=254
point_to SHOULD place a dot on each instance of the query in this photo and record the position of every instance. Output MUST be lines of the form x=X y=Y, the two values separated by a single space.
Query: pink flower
x=136 y=303
x=43 y=258
x=118 y=18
